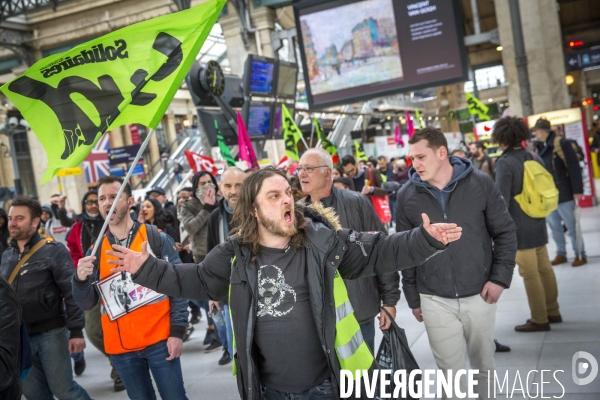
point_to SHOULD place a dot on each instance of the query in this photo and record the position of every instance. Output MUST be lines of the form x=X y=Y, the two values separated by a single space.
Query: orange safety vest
x=141 y=327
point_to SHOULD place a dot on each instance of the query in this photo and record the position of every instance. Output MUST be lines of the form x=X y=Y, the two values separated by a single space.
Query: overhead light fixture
x=429 y=118
x=499 y=48
x=490 y=100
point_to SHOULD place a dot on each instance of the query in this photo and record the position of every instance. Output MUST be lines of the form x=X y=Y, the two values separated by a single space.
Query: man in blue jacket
x=455 y=293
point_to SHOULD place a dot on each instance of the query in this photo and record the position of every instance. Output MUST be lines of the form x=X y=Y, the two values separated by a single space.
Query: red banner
x=198 y=162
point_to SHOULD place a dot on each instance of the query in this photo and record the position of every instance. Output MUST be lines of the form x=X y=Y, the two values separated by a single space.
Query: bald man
x=356 y=212
x=219 y=225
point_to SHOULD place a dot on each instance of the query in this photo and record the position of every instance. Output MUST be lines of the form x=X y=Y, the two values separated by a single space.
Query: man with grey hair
x=355 y=212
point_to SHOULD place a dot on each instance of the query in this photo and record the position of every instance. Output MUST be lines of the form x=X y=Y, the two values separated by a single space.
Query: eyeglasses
x=309 y=170
x=91 y=202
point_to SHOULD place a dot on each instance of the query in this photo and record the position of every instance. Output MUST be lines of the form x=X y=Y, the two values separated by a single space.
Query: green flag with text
x=291 y=134
x=127 y=76
x=326 y=143
x=476 y=107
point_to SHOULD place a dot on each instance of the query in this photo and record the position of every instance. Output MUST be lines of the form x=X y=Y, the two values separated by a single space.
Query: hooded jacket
x=194 y=218
x=84 y=231
x=356 y=212
x=329 y=250
x=471 y=201
x=54 y=227
x=44 y=287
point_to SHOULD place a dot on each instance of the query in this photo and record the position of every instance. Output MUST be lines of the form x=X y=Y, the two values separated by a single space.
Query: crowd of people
x=298 y=266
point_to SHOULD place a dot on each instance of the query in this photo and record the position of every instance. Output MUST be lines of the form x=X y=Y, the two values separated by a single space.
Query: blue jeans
x=368 y=332
x=204 y=305
x=223 y=325
x=77 y=356
x=324 y=391
x=134 y=369
x=51 y=374
x=565 y=212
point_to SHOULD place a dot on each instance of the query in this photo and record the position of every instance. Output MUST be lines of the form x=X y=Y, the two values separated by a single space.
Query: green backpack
x=539 y=196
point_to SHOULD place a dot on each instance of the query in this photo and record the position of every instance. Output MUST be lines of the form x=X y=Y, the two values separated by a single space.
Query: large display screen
x=287 y=77
x=260 y=76
x=360 y=49
x=259 y=119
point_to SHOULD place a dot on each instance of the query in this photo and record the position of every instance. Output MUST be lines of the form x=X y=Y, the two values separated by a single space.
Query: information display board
x=259 y=115
x=360 y=49
x=259 y=76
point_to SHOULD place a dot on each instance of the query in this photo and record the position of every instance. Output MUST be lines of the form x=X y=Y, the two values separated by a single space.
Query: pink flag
x=246 y=151
x=398 y=136
x=409 y=124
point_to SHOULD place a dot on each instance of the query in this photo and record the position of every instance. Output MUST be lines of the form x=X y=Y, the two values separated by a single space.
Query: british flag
x=96 y=163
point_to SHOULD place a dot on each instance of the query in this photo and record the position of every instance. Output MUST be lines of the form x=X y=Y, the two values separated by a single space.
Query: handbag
x=394 y=354
x=381 y=204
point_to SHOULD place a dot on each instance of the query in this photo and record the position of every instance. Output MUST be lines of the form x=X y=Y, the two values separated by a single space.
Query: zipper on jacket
x=352 y=239
x=452 y=261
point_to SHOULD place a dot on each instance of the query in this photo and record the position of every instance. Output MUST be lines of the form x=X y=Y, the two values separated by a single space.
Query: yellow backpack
x=539 y=196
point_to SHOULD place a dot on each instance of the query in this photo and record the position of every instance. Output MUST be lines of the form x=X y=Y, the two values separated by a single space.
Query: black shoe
x=119 y=386
x=211 y=335
x=226 y=359
x=195 y=318
x=214 y=346
x=79 y=366
x=500 y=348
x=188 y=332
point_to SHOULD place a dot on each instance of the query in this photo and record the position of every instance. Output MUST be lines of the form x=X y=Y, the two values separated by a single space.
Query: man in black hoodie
x=455 y=293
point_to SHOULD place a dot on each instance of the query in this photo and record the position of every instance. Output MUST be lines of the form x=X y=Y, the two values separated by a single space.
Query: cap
x=47 y=208
x=543 y=124
x=343 y=181
x=157 y=190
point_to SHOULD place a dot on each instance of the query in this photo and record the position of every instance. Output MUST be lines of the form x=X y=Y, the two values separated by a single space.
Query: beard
x=275 y=227
x=119 y=213
x=22 y=234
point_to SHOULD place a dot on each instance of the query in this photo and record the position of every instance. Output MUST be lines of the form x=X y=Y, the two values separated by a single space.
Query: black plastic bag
x=394 y=354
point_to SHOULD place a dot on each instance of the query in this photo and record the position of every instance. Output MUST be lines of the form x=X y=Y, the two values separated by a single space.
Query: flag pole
x=125 y=181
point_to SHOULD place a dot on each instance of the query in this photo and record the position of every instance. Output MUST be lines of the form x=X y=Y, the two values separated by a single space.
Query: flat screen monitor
x=287 y=79
x=278 y=120
x=259 y=116
x=355 y=50
x=260 y=76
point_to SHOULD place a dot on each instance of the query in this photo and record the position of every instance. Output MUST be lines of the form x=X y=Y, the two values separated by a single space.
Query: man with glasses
x=356 y=212
x=366 y=180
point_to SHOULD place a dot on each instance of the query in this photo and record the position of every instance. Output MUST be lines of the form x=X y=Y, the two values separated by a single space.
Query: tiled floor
x=579 y=298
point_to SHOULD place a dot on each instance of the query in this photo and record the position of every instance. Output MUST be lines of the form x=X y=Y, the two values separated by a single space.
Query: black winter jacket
x=367 y=295
x=531 y=232
x=42 y=285
x=10 y=324
x=327 y=251
x=567 y=178
x=485 y=252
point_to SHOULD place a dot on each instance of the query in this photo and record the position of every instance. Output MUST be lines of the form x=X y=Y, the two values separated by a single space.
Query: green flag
x=476 y=107
x=359 y=151
x=419 y=122
x=291 y=134
x=127 y=76
x=326 y=143
x=225 y=153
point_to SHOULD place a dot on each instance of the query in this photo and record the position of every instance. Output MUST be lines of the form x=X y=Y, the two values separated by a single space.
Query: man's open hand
x=444 y=233
x=128 y=260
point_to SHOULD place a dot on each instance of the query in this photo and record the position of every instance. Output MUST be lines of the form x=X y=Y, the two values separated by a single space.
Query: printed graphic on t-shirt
x=276 y=298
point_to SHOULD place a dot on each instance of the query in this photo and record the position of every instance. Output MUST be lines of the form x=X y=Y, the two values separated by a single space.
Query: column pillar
x=453 y=94
x=544 y=50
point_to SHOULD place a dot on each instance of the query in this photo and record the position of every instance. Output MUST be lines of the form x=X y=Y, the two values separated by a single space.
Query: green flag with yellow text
x=127 y=76
x=476 y=107
x=291 y=134
x=326 y=143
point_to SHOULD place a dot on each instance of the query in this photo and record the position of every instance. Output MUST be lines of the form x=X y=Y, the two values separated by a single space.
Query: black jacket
x=327 y=251
x=4 y=233
x=10 y=345
x=472 y=202
x=531 y=232
x=356 y=212
x=567 y=178
x=42 y=285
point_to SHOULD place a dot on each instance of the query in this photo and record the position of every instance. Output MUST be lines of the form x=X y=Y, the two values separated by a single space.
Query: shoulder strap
x=559 y=150
x=23 y=260
x=154 y=239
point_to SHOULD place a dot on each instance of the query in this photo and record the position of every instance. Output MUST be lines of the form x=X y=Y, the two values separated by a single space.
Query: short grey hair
x=324 y=156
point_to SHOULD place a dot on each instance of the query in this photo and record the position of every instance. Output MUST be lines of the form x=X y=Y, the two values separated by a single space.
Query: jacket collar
x=30 y=243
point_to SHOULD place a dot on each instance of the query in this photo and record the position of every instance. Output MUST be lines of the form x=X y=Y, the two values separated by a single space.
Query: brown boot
x=554 y=319
x=558 y=260
x=578 y=262
x=532 y=327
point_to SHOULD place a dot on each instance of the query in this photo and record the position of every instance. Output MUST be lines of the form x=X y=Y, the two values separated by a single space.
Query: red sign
x=135 y=134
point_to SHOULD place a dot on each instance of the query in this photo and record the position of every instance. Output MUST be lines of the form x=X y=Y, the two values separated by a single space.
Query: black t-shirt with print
x=291 y=358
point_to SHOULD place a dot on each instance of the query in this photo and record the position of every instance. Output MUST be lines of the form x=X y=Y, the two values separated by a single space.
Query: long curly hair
x=244 y=220
x=161 y=217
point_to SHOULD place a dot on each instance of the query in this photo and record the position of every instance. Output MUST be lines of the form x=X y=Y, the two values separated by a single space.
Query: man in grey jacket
x=356 y=212
x=455 y=293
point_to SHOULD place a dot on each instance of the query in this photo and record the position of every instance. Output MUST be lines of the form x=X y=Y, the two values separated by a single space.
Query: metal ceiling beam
x=11 y=8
